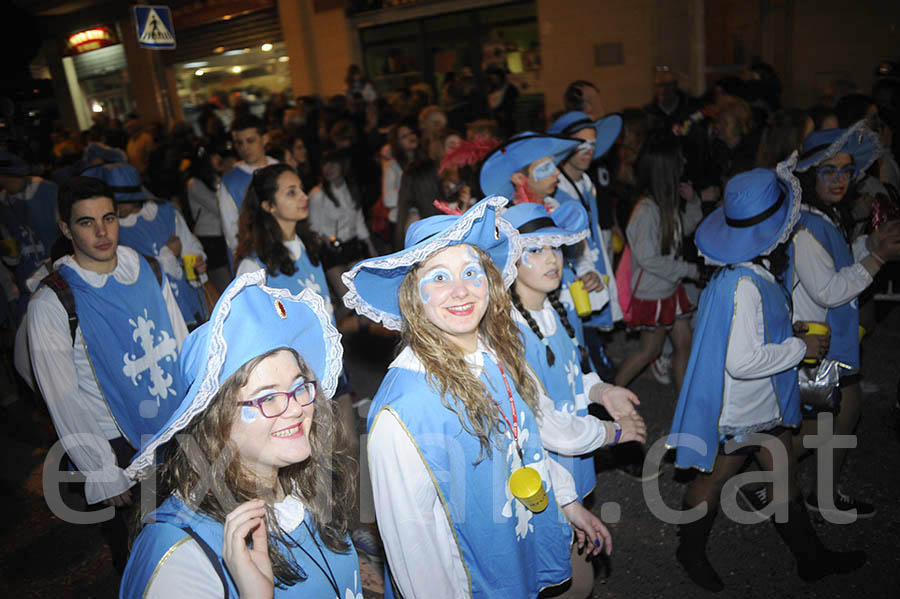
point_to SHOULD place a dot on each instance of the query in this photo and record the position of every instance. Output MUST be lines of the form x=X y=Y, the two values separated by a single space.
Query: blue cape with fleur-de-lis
x=507 y=551
x=132 y=349
x=149 y=237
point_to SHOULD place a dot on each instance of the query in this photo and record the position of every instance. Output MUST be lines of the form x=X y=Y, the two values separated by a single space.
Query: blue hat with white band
x=374 y=284
x=123 y=179
x=518 y=152
x=607 y=129
x=249 y=320
x=859 y=141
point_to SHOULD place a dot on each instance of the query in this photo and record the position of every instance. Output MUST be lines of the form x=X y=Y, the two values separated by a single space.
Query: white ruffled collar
x=126 y=271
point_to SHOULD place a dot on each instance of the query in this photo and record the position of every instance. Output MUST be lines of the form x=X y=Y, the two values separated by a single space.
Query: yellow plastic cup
x=816 y=328
x=581 y=298
x=526 y=486
x=862 y=332
x=190 y=261
x=617 y=242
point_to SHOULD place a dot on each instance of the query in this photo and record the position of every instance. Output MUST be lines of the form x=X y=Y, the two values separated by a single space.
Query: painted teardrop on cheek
x=249 y=414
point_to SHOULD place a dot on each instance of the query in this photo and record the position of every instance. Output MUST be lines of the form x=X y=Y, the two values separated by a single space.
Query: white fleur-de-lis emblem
x=512 y=507
x=158 y=349
x=571 y=373
x=594 y=253
x=355 y=593
x=313 y=285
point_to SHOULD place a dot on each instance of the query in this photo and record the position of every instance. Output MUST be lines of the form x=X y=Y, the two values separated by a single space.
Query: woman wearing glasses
x=256 y=484
x=828 y=274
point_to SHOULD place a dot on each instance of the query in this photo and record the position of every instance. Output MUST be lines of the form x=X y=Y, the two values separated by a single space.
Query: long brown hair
x=258 y=231
x=658 y=174
x=326 y=481
x=444 y=361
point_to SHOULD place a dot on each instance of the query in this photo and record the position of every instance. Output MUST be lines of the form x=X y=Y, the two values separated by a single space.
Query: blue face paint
x=440 y=276
x=526 y=261
x=543 y=170
x=474 y=273
x=249 y=414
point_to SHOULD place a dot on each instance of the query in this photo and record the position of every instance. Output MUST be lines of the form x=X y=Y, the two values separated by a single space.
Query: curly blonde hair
x=445 y=366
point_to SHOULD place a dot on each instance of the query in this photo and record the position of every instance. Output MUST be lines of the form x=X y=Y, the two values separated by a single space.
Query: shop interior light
x=195 y=65
x=267 y=47
x=283 y=58
x=199 y=72
x=218 y=49
x=236 y=52
x=96 y=107
x=236 y=69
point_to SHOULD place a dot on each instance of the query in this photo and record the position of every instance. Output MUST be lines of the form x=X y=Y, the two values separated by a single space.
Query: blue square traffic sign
x=154 y=27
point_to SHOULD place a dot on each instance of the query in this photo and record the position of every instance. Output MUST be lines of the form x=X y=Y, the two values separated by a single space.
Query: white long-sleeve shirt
x=204 y=202
x=189 y=243
x=817 y=285
x=228 y=209
x=391 y=174
x=417 y=535
x=748 y=396
x=344 y=221
x=294 y=247
x=66 y=379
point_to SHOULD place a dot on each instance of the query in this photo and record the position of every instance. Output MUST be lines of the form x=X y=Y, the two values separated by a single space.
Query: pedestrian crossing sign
x=154 y=27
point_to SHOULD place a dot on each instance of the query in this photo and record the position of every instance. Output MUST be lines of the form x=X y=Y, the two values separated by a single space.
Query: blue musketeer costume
x=506 y=550
x=149 y=237
x=759 y=214
x=862 y=144
x=142 y=384
x=564 y=381
x=607 y=130
x=212 y=353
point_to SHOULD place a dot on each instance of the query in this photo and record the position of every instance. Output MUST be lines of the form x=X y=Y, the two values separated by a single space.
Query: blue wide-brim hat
x=607 y=129
x=123 y=179
x=249 y=320
x=859 y=141
x=518 y=152
x=10 y=164
x=107 y=154
x=567 y=225
x=374 y=284
x=758 y=213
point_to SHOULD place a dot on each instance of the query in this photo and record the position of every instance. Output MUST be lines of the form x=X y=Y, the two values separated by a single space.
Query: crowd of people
x=168 y=296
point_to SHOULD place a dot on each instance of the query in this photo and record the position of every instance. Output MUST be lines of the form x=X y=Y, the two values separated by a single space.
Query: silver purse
x=819 y=385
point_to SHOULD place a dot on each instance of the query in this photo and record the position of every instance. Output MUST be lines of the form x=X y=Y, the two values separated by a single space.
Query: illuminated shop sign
x=90 y=39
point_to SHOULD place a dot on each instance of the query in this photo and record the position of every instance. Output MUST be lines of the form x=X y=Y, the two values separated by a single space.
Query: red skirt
x=661 y=312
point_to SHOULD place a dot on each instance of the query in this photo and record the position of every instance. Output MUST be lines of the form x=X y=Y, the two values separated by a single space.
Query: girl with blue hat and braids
x=740 y=395
x=255 y=478
x=553 y=332
x=459 y=418
x=827 y=275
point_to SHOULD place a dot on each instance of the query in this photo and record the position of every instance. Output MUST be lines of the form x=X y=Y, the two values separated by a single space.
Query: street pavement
x=42 y=556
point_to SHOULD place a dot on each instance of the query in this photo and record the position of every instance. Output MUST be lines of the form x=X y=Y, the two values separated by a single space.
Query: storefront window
x=249 y=74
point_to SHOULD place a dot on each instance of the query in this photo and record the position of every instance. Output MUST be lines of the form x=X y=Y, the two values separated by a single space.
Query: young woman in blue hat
x=256 y=481
x=741 y=378
x=457 y=413
x=827 y=274
x=553 y=332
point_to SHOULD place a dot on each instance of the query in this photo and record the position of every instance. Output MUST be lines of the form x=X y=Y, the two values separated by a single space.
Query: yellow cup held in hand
x=815 y=328
x=581 y=299
x=190 y=261
x=526 y=485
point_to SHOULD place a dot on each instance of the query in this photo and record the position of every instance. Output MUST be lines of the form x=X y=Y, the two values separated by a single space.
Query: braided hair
x=553 y=296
